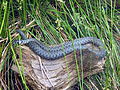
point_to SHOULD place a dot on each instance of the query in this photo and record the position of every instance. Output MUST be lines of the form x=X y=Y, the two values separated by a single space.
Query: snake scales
x=58 y=51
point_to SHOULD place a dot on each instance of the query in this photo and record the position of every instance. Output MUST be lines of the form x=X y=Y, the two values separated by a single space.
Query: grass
x=60 y=21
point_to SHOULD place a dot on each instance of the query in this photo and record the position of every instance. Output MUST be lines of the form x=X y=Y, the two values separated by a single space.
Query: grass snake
x=58 y=51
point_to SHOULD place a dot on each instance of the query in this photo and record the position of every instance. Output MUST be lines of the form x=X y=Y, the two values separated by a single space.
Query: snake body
x=58 y=51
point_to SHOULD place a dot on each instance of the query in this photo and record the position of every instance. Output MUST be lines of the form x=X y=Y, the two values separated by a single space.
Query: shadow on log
x=58 y=74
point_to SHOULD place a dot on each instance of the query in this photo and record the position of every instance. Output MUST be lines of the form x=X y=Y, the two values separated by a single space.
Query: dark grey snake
x=58 y=51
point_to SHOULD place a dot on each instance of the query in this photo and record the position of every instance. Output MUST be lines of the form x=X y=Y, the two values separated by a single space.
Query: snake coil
x=58 y=51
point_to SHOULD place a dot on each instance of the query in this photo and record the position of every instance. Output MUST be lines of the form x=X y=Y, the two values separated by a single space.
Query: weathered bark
x=58 y=74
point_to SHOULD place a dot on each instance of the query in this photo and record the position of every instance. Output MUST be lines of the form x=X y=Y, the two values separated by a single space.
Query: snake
x=57 y=51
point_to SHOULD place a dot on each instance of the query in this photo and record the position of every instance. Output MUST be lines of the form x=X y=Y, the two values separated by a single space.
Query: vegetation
x=56 y=21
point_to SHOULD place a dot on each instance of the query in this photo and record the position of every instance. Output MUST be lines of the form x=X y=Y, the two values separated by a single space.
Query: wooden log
x=58 y=74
